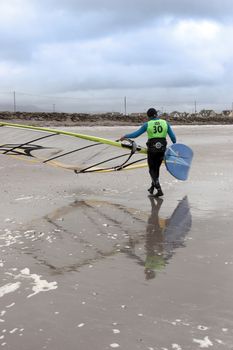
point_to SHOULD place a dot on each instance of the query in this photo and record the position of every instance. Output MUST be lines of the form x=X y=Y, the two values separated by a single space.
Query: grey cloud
x=86 y=19
x=68 y=46
x=149 y=8
x=62 y=21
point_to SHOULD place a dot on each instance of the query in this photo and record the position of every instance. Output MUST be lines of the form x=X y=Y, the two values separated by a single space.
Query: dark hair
x=151 y=113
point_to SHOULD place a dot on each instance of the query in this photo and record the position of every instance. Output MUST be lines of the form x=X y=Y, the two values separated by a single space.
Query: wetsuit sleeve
x=171 y=133
x=137 y=133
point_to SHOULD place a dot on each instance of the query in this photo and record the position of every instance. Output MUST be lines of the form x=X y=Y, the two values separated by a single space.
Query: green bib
x=157 y=128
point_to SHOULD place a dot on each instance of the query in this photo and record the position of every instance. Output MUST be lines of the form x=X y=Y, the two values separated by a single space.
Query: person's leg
x=150 y=162
x=154 y=163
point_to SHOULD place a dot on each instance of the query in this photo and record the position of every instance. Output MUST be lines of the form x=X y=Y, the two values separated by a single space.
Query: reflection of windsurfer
x=164 y=235
x=154 y=240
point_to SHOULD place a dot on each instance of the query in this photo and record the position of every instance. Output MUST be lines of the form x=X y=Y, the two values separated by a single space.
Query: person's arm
x=136 y=133
x=171 y=133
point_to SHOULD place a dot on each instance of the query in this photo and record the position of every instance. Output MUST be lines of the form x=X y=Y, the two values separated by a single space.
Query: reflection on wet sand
x=154 y=239
x=81 y=234
x=88 y=231
x=163 y=236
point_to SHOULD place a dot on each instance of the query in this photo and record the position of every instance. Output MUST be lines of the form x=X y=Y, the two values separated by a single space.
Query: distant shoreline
x=112 y=119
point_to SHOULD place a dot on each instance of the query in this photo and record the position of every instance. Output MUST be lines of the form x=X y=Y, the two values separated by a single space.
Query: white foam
x=9 y=288
x=81 y=325
x=176 y=347
x=9 y=238
x=204 y=343
x=116 y=331
x=23 y=198
x=40 y=285
x=10 y=305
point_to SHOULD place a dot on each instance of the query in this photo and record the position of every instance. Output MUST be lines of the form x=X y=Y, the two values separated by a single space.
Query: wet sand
x=90 y=262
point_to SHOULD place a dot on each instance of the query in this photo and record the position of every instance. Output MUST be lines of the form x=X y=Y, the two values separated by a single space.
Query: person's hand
x=122 y=138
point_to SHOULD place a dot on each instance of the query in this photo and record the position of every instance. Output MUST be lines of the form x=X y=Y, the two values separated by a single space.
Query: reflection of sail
x=163 y=236
x=88 y=231
x=179 y=224
x=83 y=233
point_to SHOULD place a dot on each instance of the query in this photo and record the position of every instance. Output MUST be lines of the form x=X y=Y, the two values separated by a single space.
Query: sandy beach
x=90 y=262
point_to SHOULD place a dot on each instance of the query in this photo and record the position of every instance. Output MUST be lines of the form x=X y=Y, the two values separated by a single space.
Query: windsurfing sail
x=178 y=159
x=73 y=151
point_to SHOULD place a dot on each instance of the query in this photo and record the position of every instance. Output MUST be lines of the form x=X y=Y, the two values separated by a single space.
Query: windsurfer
x=157 y=130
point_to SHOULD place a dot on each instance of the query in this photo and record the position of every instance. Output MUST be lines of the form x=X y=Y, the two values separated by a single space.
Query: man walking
x=157 y=130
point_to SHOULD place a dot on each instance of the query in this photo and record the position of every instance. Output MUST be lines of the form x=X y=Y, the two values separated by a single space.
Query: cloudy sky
x=112 y=55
